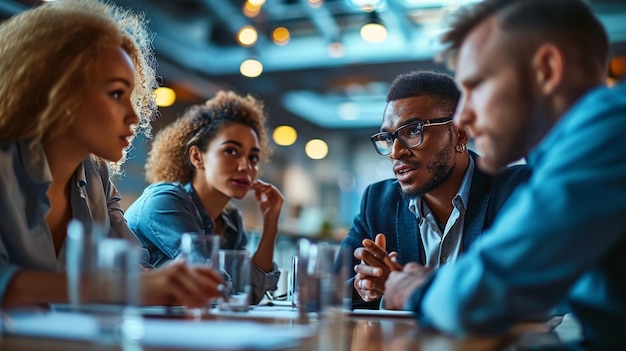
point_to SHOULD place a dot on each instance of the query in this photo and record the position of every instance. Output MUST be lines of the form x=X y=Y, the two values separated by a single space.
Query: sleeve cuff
x=6 y=274
x=414 y=302
x=262 y=281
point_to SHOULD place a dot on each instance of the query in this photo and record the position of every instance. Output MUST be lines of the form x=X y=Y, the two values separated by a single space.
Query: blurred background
x=322 y=67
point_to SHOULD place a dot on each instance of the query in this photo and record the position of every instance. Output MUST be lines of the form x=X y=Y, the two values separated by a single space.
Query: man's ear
x=548 y=67
x=195 y=157
x=463 y=136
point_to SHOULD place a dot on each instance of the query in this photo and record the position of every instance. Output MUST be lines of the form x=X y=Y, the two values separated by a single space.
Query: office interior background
x=322 y=68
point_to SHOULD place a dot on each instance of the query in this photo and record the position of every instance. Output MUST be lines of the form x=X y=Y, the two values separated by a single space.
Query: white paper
x=281 y=312
x=143 y=310
x=163 y=332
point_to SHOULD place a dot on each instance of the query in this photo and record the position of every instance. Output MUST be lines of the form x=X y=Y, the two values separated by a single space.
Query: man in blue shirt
x=531 y=73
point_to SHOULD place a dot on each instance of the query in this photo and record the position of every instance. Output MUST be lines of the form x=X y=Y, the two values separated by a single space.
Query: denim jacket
x=166 y=210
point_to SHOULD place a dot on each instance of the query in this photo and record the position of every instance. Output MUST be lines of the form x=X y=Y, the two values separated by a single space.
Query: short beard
x=438 y=169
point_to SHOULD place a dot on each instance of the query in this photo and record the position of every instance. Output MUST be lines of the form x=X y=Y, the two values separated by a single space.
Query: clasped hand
x=374 y=269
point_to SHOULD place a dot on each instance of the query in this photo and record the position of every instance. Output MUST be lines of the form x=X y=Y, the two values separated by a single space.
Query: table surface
x=347 y=333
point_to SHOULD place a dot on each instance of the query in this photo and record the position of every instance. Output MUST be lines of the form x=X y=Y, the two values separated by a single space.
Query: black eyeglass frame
x=394 y=135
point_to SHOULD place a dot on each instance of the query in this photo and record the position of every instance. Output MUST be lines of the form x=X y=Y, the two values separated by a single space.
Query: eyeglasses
x=410 y=135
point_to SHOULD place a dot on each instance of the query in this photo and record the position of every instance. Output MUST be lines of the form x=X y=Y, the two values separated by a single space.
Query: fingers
x=367 y=270
x=369 y=260
x=179 y=284
x=381 y=241
x=263 y=188
x=365 y=288
x=374 y=248
x=269 y=198
x=381 y=255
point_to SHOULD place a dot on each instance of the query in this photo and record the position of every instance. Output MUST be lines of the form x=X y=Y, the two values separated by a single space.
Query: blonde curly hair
x=168 y=160
x=47 y=58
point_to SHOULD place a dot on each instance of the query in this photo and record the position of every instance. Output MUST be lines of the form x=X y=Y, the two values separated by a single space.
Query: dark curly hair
x=168 y=160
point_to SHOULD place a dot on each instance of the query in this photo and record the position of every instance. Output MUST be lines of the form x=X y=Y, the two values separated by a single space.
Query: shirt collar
x=35 y=161
x=230 y=226
x=460 y=199
x=36 y=164
x=81 y=177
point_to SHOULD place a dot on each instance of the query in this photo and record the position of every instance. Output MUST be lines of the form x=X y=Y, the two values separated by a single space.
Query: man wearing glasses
x=438 y=203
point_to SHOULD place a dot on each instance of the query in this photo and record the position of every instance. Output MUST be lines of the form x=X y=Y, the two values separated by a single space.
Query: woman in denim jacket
x=196 y=165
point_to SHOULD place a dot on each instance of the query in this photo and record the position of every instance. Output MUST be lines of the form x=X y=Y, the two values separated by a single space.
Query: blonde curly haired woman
x=196 y=165
x=76 y=78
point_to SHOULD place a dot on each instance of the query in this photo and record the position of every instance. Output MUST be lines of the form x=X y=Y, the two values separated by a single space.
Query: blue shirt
x=442 y=246
x=25 y=239
x=166 y=210
x=563 y=233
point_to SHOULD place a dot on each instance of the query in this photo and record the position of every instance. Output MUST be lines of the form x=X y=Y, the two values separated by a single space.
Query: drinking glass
x=292 y=292
x=234 y=265
x=198 y=249
x=103 y=280
x=322 y=272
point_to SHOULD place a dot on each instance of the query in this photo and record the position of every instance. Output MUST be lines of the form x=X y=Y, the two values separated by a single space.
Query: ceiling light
x=374 y=31
x=250 y=10
x=247 y=36
x=316 y=149
x=251 y=68
x=280 y=36
x=285 y=135
x=256 y=2
x=164 y=96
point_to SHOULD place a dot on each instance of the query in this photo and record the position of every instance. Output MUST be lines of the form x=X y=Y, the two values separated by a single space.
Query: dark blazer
x=383 y=210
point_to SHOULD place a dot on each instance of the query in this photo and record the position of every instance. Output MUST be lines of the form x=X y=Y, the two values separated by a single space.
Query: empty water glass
x=234 y=265
x=322 y=271
x=103 y=279
x=198 y=249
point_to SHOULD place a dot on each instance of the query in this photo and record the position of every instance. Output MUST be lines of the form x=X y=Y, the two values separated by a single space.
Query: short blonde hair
x=47 y=55
x=168 y=160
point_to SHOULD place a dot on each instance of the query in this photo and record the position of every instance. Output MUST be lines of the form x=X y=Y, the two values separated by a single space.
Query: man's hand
x=401 y=285
x=374 y=269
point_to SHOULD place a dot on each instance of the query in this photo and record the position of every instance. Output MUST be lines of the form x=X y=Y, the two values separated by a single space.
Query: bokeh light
x=164 y=96
x=316 y=149
x=285 y=135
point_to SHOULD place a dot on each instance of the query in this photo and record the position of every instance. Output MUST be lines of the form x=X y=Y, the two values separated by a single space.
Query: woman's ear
x=195 y=157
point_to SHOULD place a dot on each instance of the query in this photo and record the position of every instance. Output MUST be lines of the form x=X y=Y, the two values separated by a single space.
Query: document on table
x=155 y=311
x=226 y=335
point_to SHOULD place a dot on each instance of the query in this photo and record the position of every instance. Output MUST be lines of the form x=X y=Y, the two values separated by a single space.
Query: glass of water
x=234 y=265
x=198 y=249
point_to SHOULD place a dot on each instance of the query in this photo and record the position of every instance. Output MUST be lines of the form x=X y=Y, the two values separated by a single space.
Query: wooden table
x=350 y=333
